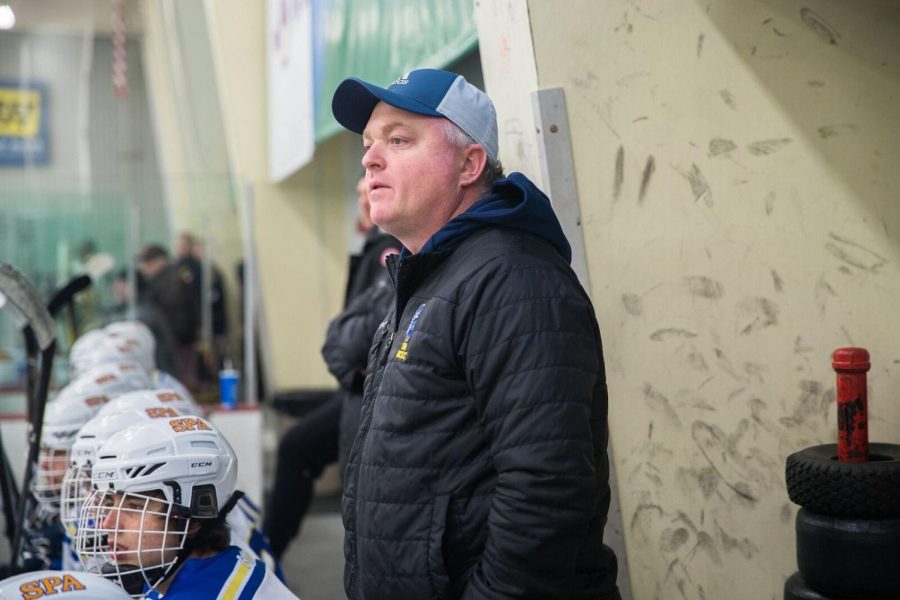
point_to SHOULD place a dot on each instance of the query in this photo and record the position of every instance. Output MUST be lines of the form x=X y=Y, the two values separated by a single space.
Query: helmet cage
x=48 y=477
x=135 y=538
x=76 y=487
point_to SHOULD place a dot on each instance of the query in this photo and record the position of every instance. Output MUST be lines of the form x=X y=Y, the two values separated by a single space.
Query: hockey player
x=156 y=517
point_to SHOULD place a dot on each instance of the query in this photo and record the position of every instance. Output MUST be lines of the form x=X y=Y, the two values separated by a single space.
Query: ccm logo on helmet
x=189 y=424
x=49 y=586
x=104 y=475
x=158 y=412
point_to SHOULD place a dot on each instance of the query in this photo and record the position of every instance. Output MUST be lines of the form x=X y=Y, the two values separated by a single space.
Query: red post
x=851 y=365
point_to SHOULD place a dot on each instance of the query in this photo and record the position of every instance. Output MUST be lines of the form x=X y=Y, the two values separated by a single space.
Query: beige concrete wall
x=735 y=176
x=300 y=224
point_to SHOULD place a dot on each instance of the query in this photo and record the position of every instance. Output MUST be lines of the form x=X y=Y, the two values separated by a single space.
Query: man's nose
x=373 y=158
x=110 y=518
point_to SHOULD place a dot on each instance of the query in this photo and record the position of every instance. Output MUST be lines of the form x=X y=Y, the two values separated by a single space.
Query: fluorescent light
x=7 y=17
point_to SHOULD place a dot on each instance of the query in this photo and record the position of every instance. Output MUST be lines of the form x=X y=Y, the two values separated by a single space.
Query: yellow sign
x=20 y=112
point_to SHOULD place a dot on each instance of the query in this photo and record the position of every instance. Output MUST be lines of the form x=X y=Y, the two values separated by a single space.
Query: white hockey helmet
x=150 y=482
x=76 y=484
x=84 y=344
x=112 y=347
x=151 y=397
x=167 y=381
x=113 y=378
x=74 y=584
x=63 y=418
x=133 y=329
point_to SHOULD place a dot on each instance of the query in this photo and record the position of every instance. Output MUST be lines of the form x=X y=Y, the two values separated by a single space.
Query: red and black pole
x=851 y=365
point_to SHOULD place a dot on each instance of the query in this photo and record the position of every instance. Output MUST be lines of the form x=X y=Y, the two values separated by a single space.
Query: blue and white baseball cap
x=429 y=92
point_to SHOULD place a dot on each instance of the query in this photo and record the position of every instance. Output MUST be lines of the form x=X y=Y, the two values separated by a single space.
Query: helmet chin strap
x=133 y=583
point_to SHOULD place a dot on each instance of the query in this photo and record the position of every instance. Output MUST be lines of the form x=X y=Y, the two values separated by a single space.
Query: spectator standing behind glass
x=189 y=250
x=165 y=287
x=480 y=467
x=324 y=436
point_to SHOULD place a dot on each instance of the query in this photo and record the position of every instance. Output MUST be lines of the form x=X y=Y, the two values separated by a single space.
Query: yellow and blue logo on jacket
x=404 y=346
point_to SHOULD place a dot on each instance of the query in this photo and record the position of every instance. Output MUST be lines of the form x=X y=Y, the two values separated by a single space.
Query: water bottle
x=228 y=386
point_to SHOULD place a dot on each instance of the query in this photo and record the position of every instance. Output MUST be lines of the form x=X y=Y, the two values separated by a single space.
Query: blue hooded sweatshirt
x=513 y=202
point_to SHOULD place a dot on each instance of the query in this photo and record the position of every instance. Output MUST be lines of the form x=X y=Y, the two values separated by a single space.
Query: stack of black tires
x=848 y=529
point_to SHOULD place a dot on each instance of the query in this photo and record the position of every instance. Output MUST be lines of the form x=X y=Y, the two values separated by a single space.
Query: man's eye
x=396 y=140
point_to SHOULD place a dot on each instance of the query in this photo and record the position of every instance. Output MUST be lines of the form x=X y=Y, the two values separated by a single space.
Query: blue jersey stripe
x=256 y=579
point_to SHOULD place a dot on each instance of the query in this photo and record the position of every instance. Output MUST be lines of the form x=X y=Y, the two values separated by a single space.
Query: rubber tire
x=796 y=589
x=817 y=481
x=849 y=558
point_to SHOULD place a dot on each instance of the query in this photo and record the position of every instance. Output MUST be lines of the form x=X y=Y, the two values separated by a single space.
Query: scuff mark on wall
x=765 y=147
x=769 y=203
x=657 y=402
x=744 y=546
x=700 y=39
x=699 y=186
x=728 y=98
x=757 y=313
x=811 y=403
x=693 y=357
x=755 y=371
x=704 y=287
x=820 y=26
x=854 y=254
x=777 y=281
x=633 y=304
x=649 y=168
x=620 y=173
x=720 y=451
x=830 y=131
x=822 y=294
x=719 y=146
x=661 y=335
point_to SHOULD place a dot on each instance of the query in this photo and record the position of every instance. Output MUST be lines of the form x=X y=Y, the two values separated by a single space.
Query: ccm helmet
x=63 y=418
x=151 y=481
x=76 y=484
x=151 y=397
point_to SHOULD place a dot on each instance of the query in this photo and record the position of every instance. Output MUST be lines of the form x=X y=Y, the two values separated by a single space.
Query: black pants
x=303 y=453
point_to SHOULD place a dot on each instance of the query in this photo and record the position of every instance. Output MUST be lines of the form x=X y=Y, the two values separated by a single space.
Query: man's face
x=52 y=465
x=137 y=529
x=412 y=172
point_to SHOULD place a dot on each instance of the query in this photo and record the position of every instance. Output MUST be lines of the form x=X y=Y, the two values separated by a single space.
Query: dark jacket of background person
x=368 y=266
x=323 y=436
x=346 y=352
x=168 y=291
x=480 y=467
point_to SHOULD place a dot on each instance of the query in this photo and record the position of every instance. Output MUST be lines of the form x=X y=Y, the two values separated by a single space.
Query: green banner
x=378 y=40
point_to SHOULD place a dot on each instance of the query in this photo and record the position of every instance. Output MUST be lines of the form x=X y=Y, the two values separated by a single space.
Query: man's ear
x=475 y=161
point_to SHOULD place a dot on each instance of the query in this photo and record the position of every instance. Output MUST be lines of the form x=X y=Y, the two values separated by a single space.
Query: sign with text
x=24 y=138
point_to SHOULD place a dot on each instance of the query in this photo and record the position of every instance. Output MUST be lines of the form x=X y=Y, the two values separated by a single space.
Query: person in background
x=322 y=437
x=166 y=287
x=480 y=468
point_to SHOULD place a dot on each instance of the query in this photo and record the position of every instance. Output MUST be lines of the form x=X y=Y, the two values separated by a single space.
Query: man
x=169 y=289
x=480 y=466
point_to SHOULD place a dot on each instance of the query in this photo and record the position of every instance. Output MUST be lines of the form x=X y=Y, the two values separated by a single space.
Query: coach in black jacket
x=480 y=467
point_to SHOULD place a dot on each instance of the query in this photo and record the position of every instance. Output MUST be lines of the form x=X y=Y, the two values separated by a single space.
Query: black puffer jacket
x=480 y=466
x=346 y=351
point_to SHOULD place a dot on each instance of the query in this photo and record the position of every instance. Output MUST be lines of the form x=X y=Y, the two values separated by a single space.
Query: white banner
x=291 y=113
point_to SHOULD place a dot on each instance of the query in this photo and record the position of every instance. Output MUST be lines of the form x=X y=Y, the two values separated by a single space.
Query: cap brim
x=354 y=100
